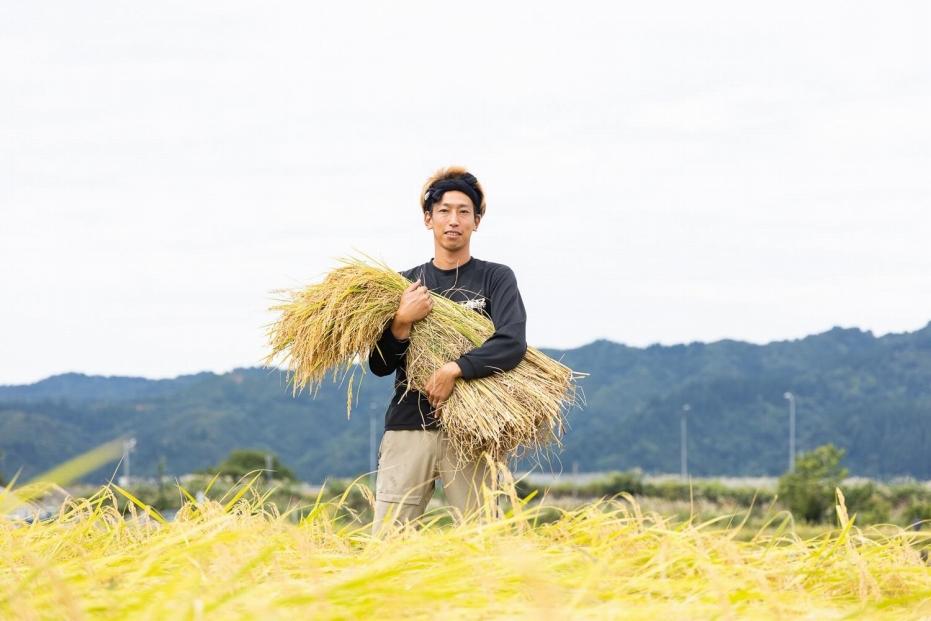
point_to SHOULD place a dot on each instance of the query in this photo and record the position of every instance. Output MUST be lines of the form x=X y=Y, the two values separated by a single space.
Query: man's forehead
x=455 y=198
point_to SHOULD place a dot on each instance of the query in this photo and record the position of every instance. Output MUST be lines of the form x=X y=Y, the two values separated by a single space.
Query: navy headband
x=462 y=184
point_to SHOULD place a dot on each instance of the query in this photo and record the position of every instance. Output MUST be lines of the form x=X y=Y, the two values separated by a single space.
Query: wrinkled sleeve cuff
x=468 y=369
x=394 y=344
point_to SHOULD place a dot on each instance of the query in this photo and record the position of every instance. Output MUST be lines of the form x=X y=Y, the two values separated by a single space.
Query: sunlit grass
x=239 y=558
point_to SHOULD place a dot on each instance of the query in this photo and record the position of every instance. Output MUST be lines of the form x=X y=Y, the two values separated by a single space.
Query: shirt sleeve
x=506 y=347
x=388 y=353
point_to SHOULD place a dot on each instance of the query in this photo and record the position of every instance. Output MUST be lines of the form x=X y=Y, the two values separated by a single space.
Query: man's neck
x=446 y=260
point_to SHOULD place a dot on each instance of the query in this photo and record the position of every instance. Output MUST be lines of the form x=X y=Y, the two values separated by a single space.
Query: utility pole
x=683 y=440
x=575 y=479
x=128 y=446
x=373 y=457
x=788 y=395
x=161 y=480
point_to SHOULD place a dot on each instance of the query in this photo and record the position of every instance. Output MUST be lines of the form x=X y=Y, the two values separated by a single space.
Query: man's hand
x=416 y=304
x=441 y=383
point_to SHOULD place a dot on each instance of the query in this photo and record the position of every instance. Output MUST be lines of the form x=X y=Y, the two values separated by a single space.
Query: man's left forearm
x=502 y=352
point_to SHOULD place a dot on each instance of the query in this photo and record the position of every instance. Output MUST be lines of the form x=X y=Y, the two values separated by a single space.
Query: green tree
x=242 y=461
x=809 y=490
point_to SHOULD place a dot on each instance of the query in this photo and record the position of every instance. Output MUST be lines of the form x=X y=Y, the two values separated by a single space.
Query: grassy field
x=237 y=557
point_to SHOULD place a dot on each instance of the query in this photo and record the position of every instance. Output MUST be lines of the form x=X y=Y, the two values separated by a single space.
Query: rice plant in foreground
x=239 y=558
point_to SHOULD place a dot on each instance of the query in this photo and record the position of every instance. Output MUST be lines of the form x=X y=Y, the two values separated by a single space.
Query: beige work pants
x=409 y=462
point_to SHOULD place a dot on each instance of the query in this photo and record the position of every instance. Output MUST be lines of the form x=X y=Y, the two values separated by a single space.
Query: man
x=414 y=450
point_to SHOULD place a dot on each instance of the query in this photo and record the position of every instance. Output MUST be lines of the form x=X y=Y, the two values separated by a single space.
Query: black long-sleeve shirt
x=488 y=288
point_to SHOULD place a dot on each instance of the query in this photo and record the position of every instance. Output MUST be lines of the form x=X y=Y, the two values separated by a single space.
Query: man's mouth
x=453 y=233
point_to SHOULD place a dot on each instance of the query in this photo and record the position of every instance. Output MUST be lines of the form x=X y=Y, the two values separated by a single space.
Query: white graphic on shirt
x=476 y=304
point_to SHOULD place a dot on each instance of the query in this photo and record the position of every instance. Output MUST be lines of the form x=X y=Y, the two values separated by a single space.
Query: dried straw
x=328 y=327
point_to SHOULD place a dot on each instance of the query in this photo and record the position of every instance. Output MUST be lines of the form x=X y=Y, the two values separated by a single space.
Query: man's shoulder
x=491 y=265
x=415 y=272
x=497 y=270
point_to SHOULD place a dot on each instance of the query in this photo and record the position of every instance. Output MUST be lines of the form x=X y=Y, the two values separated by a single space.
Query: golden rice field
x=238 y=558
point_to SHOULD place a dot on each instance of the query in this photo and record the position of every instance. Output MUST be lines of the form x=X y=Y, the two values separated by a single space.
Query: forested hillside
x=871 y=396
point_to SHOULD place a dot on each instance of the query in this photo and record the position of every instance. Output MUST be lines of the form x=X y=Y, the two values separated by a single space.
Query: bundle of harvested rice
x=334 y=324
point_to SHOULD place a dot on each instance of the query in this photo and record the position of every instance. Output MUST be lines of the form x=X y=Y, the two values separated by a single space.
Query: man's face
x=453 y=220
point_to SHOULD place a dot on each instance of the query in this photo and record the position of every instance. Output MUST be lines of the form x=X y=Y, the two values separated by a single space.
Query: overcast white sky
x=669 y=172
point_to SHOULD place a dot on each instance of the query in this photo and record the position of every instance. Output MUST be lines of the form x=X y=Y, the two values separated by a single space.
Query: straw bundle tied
x=331 y=325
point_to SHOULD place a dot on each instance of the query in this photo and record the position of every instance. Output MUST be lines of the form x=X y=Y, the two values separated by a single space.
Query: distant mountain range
x=869 y=395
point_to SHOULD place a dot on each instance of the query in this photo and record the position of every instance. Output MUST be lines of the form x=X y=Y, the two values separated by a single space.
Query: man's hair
x=453 y=173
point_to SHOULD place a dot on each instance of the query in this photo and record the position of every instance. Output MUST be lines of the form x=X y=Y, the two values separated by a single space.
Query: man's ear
x=478 y=218
x=428 y=219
